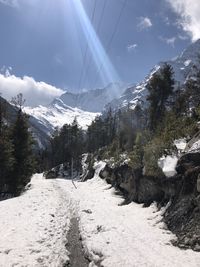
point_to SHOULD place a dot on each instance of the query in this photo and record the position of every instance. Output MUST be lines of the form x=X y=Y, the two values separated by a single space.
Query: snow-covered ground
x=34 y=227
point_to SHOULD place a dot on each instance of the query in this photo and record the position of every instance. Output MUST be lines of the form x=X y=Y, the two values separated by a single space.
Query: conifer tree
x=22 y=145
x=160 y=87
x=6 y=150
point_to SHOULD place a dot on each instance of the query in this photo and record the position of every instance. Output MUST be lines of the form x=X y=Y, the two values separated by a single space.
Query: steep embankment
x=180 y=192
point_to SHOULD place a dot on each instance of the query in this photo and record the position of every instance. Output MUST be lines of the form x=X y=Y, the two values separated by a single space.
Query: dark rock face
x=188 y=161
x=183 y=191
x=87 y=168
x=183 y=215
x=150 y=190
x=133 y=185
x=60 y=171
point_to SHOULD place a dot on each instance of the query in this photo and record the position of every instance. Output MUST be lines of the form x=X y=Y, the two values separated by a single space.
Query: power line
x=112 y=36
x=102 y=14
x=98 y=28
x=86 y=50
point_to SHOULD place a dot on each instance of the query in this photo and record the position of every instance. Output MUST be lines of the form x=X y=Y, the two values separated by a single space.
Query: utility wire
x=98 y=28
x=112 y=37
x=86 y=50
x=102 y=14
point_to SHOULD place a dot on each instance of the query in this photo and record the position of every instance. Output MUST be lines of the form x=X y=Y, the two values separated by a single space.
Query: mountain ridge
x=183 y=67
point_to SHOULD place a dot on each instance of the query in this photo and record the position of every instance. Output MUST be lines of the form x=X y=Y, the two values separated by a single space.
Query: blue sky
x=47 y=40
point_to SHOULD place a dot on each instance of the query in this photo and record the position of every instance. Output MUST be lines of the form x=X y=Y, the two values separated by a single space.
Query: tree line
x=16 y=157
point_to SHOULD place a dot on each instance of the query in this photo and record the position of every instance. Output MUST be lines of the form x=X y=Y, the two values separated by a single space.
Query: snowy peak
x=83 y=106
x=93 y=100
x=192 y=52
x=59 y=105
x=183 y=65
x=57 y=114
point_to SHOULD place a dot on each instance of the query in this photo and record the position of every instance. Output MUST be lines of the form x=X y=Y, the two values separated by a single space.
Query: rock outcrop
x=183 y=215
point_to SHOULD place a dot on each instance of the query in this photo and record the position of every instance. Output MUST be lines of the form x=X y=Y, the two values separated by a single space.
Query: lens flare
x=108 y=72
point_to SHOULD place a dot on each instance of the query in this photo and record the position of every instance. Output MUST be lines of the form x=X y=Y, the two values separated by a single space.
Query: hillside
x=38 y=130
x=183 y=67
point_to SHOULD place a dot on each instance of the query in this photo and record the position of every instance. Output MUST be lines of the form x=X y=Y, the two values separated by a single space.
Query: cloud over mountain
x=35 y=93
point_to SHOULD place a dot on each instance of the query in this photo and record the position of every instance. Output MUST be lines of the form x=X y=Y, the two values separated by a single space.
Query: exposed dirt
x=74 y=246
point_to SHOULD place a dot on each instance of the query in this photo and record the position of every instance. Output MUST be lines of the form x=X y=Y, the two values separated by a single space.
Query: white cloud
x=183 y=37
x=11 y=3
x=35 y=93
x=131 y=47
x=169 y=41
x=189 y=18
x=166 y=21
x=144 y=23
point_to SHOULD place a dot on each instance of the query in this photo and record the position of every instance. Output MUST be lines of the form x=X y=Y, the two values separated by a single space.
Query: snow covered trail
x=34 y=226
x=124 y=236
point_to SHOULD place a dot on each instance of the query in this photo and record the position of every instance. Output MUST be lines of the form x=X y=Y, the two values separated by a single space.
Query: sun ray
x=108 y=73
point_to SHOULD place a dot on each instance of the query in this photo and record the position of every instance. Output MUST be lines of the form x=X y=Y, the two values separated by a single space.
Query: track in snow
x=74 y=246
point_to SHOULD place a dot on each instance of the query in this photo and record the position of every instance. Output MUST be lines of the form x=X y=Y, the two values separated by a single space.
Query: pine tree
x=6 y=150
x=22 y=145
x=160 y=87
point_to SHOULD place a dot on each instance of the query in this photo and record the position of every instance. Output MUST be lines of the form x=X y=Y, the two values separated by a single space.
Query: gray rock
x=198 y=184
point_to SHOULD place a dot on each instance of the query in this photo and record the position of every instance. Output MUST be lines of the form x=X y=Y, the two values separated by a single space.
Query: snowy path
x=34 y=228
x=124 y=236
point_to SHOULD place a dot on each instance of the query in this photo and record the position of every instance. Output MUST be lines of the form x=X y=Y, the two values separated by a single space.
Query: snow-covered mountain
x=57 y=114
x=93 y=100
x=82 y=106
x=183 y=67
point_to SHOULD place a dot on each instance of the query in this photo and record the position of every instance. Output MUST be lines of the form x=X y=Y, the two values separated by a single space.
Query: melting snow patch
x=187 y=62
x=180 y=144
x=168 y=165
